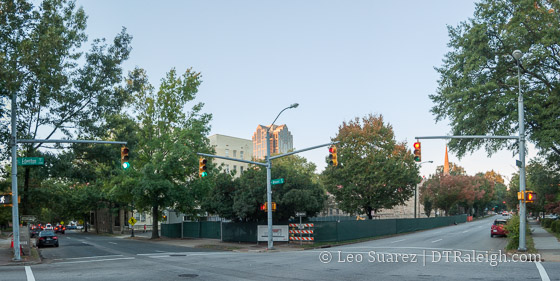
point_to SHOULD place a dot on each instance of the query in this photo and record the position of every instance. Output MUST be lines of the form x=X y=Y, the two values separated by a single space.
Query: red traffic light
x=416 y=145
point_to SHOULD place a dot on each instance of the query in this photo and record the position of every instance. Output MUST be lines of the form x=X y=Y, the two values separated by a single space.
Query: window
x=241 y=169
x=241 y=154
x=137 y=216
x=227 y=167
x=227 y=152
x=234 y=153
x=143 y=217
x=235 y=168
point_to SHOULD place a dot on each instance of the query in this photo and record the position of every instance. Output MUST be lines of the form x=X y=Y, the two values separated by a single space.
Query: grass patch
x=557 y=235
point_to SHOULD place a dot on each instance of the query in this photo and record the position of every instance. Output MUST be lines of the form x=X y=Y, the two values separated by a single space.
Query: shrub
x=556 y=226
x=512 y=228
x=546 y=222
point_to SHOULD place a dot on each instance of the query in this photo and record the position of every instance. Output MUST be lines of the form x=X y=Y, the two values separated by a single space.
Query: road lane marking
x=131 y=258
x=29 y=274
x=436 y=240
x=397 y=241
x=113 y=243
x=542 y=272
x=90 y=257
x=465 y=231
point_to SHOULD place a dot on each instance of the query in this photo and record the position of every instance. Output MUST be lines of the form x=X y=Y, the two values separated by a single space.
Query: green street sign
x=30 y=161
x=277 y=181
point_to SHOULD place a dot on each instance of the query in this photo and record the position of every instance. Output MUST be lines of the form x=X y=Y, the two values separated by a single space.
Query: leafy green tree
x=374 y=172
x=168 y=140
x=478 y=86
x=545 y=181
x=447 y=191
x=299 y=193
x=59 y=89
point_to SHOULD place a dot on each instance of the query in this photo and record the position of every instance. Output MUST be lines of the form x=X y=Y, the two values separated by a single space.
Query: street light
x=268 y=179
x=416 y=192
x=517 y=54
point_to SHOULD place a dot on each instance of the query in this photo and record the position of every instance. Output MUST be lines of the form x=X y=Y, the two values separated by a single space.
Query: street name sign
x=30 y=161
x=277 y=181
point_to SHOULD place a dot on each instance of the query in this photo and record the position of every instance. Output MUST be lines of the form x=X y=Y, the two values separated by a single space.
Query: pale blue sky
x=337 y=59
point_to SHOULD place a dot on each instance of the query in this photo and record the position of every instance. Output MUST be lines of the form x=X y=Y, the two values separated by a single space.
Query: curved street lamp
x=268 y=179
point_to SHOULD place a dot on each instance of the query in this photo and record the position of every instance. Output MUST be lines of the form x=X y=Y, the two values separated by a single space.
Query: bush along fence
x=323 y=231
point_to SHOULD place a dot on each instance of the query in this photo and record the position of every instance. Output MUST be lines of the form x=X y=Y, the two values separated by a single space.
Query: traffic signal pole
x=517 y=54
x=268 y=166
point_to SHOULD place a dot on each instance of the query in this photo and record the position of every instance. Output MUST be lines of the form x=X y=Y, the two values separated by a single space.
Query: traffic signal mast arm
x=272 y=157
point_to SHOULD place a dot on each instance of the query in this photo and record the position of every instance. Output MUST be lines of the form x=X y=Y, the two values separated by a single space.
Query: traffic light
x=530 y=196
x=202 y=168
x=417 y=152
x=124 y=157
x=5 y=200
x=264 y=207
x=333 y=160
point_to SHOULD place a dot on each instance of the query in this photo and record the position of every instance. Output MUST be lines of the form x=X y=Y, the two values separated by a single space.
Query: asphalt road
x=460 y=252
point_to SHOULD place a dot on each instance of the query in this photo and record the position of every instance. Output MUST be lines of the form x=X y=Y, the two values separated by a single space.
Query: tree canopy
x=478 y=85
x=374 y=170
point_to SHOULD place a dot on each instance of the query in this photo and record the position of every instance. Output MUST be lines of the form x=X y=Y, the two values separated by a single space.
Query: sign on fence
x=279 y=233
x=301 y=232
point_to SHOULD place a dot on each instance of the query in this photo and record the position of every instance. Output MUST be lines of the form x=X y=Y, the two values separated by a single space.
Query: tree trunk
x=155 y=219
x=368 y=210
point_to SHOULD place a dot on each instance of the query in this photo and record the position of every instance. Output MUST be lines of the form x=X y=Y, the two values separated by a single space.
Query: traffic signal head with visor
x=124 y=157
x=333 y=158
x=417 y=152
x=202 y=168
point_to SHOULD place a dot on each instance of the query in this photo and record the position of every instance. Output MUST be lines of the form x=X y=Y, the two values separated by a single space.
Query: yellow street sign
x=132 y=221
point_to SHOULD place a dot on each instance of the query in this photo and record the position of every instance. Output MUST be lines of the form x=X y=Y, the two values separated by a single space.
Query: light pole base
x=522 y=249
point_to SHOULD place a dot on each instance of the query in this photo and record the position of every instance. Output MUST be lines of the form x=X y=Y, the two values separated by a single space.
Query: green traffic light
x=126 y=165
x=203 y=174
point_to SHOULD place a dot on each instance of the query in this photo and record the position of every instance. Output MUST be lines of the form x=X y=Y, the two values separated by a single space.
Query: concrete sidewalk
x=546 y=243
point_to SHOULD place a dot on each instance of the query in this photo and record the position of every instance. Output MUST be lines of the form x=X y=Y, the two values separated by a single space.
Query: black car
x=47 y=237
x=60 y=229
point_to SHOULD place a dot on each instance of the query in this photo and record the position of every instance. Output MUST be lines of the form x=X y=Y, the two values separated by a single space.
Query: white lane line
x=113 y=243
x=542 y=272
x=90 y=257
x=465 y=231
x=436 y=240
x=131 y=258
x=29 y=274
x=160 y=251
x=397 y=241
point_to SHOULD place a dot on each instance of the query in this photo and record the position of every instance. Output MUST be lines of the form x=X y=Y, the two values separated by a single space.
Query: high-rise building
x=281 y=140
x=232 y=147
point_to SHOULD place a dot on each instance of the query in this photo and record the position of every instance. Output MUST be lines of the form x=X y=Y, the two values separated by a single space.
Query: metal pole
x=269 y=192
x=15 y=211
x=415 y=199
x=522 y=214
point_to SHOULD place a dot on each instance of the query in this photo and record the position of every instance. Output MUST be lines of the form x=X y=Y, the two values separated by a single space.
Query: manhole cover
x=187 y=275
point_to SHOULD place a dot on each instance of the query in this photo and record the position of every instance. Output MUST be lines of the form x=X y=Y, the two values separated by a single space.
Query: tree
x=58 y=89
x=446 y=191
x=374 y=171
x=454 y=169
x=478 y=86
x=299 y=193
x=168 y=140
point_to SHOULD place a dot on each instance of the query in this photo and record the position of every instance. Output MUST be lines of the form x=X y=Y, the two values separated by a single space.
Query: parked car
x=71 y=227
x=34 y=230
x=498 y=228
x=60 y=229
x=47 y=237
x=552 y=216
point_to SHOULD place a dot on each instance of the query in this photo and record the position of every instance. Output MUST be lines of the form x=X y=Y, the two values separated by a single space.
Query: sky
x=338 y=59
